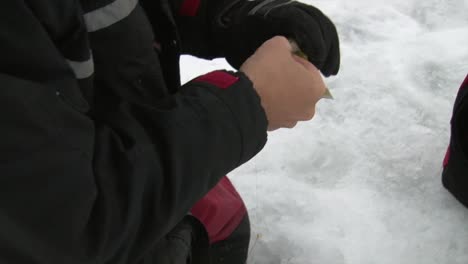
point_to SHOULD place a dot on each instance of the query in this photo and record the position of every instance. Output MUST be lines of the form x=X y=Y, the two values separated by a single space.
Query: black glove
x=247 y=24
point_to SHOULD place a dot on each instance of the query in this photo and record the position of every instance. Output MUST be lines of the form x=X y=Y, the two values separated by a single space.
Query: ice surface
x=360 y=183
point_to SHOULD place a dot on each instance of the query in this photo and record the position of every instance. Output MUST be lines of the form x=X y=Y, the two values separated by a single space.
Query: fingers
x=311 y=40
x=309 y=66
x=332 y=62
x=308 y=115
x=288 y=125
x=283 y=41
x=279 y=43
x=316 y=80
x=289 y=86
x=322 y=42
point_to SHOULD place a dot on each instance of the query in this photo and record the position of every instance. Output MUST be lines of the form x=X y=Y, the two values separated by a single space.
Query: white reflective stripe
x=82 y=69
x=267 y=2
x=109 y=14
x=257 y=7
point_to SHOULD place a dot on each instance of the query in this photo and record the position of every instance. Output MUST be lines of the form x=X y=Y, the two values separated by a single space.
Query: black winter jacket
x=101 y=151
x=455 y=173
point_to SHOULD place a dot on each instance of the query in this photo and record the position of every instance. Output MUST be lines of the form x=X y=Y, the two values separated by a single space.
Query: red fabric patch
x=447 y=157
x=189 y=8
x=219 y=78
x=220 y=211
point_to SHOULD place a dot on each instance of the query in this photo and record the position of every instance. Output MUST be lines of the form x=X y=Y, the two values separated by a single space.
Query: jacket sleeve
x=201 y=23
x=75 y=189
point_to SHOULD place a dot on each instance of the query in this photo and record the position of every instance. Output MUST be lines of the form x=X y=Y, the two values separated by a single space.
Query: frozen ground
x=360 y=184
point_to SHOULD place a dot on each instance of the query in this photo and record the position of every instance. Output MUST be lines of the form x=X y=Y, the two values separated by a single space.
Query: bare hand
x=289 y=86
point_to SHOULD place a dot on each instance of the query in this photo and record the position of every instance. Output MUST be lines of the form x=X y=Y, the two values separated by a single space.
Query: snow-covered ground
x=360 y=183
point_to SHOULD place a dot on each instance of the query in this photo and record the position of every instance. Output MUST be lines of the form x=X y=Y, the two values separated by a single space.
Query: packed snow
x=361 y=182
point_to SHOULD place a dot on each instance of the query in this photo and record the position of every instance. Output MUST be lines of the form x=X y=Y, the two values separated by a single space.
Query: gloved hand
x=247 y=24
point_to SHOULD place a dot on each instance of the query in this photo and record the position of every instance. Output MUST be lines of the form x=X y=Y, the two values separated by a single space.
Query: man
x=455 y=173
x=106 y=158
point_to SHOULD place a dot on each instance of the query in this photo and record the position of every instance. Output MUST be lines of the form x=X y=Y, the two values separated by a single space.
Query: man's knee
x=234 y=249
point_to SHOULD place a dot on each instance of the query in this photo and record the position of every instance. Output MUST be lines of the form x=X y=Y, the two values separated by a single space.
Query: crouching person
x=455 y=173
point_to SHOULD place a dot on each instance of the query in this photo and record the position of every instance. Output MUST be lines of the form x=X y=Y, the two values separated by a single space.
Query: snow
x=360 y=183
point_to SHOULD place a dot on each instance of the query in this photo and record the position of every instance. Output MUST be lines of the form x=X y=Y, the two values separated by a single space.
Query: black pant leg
x=234 y=249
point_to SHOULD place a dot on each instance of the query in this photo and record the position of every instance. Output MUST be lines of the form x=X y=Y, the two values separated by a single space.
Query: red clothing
x=220 y=211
